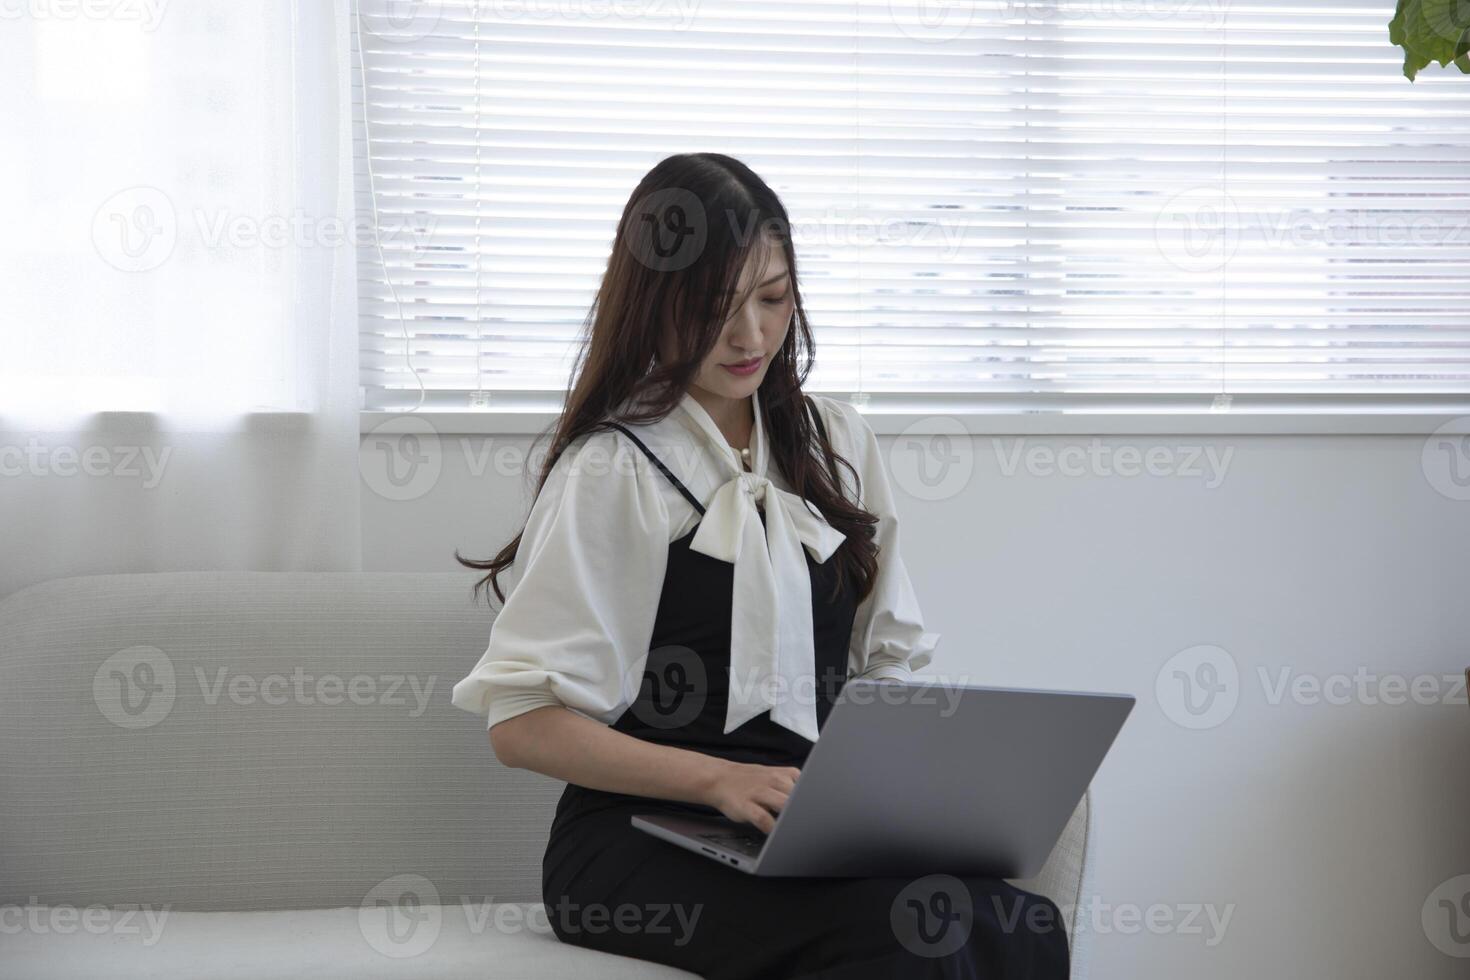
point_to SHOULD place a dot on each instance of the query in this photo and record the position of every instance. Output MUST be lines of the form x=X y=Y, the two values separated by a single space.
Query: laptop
x=913 y=778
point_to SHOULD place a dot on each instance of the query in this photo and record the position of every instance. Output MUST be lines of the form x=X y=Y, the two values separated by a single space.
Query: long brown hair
x=717 y=212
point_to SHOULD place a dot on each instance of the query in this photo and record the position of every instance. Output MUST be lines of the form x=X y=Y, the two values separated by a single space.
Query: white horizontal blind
x=1021 y=203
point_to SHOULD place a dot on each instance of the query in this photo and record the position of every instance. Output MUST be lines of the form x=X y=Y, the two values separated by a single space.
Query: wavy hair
x=718 y=213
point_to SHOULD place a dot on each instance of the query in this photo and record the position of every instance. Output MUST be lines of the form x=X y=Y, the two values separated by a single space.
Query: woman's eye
x=774 y=299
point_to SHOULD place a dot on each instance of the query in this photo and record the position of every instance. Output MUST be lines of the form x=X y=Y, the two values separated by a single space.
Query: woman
x=710 y=556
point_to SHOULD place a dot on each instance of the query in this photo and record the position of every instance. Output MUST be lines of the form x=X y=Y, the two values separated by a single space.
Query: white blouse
x=579 y=614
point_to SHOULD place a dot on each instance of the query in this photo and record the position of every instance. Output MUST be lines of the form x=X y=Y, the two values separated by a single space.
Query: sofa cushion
x=433 y=942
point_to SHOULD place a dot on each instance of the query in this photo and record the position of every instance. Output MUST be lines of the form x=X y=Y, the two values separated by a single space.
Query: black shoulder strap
x=664 y=469
x=816 y=415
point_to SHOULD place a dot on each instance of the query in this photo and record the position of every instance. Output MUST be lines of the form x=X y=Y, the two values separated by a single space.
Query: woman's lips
x=743 y=368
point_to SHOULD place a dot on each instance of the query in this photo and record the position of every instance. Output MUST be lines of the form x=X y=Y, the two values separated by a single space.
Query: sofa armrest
x=1066 y=880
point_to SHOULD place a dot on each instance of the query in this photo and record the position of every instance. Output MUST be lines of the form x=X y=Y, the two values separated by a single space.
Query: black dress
x=609 y=886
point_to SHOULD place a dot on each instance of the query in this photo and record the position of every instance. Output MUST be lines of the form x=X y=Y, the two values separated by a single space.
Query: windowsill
x=1034 y=423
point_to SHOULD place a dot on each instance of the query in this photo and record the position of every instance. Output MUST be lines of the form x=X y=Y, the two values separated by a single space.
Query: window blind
x=1017 y=204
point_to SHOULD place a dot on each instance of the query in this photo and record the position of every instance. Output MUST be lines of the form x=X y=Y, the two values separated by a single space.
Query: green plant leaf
x=1431 y=31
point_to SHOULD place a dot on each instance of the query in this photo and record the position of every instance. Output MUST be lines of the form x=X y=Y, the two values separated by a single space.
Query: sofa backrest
x=232 y=741
x=254 y=740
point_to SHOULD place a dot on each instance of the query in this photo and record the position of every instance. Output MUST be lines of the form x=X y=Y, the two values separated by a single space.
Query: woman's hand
x=752 y=793
x=573 y=748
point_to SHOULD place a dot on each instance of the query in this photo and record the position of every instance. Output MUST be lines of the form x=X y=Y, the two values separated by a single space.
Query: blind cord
x=367 y=139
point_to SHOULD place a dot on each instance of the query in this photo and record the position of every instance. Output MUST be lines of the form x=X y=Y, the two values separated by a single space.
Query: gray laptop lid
x=927 y=777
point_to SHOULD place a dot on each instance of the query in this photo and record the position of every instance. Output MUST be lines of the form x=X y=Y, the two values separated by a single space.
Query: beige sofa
x=260 y=775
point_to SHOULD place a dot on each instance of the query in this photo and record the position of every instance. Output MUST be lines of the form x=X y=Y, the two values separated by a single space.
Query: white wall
x=1320 y=828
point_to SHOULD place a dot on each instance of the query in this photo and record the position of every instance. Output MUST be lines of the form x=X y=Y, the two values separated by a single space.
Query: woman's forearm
x=575 y=749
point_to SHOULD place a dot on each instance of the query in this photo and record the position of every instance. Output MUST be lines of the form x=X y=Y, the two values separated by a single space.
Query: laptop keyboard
x=749 y=844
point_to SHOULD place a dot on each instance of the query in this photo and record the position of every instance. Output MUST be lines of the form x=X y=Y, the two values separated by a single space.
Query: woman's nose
x=745 y=333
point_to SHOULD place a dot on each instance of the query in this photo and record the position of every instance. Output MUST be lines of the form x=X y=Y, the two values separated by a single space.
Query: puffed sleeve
x=888 y=635
x=577 y=622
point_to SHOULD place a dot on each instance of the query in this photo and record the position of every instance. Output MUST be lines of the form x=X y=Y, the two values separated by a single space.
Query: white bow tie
x=771 y=614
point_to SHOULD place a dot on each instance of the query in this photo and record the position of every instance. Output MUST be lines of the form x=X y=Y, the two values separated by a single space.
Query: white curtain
x=178 y=374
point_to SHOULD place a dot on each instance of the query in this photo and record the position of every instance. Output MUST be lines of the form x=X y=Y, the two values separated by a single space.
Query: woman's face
x=753 y=332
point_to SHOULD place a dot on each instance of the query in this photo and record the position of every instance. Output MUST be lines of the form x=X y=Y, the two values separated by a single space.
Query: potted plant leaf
x=1432 y=30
